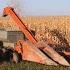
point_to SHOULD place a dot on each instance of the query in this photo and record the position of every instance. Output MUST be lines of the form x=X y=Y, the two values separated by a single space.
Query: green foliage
x=30 y=66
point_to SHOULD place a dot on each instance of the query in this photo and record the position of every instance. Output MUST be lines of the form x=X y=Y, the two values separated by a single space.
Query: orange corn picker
x=31 y=49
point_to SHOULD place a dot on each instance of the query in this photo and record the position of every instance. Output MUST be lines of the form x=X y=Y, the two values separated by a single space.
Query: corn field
x=41 y=25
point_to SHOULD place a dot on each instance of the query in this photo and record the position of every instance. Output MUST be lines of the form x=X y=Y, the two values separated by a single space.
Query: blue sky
x=38 y=7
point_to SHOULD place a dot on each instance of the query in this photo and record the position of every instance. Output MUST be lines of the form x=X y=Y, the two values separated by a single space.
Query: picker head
x=7 y=11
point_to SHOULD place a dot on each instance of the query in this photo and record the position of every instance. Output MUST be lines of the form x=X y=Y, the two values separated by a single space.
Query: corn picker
x=31 y=49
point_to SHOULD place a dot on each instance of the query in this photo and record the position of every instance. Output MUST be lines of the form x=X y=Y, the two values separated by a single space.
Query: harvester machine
x=31 y=49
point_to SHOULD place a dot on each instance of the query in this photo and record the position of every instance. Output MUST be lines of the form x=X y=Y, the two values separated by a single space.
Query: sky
x=37 y=7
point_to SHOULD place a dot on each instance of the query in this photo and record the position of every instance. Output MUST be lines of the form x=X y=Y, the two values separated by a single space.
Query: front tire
x=16 y=57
